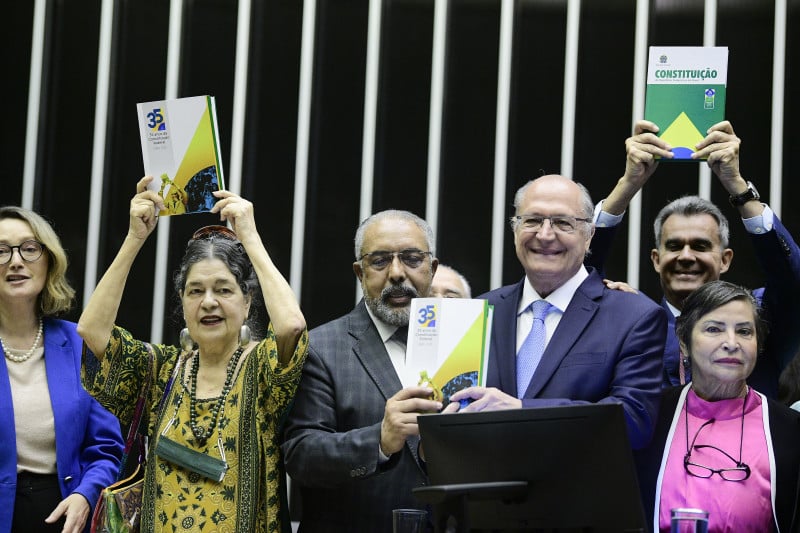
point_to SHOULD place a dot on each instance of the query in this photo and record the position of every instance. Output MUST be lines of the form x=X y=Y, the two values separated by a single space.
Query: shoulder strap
x=133 y=429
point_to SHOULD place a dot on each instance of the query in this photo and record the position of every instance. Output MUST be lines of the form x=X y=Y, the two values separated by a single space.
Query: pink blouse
x=733 y=506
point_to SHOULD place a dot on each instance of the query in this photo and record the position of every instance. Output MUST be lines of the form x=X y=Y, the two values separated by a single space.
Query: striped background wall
x=330 y=110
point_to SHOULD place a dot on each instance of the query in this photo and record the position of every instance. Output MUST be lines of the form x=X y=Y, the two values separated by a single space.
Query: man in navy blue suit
x=691 y=246
x=600 y=345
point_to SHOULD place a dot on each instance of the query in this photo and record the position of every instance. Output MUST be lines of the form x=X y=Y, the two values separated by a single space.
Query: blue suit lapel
x=8 y=448
x=672 y=349
x=504 y=339
x=577 y=316
x=61 y=376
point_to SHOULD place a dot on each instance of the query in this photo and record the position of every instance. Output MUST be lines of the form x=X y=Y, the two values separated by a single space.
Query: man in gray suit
x=351 y=437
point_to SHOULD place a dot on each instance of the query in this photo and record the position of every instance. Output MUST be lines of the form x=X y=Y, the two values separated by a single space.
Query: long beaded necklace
x=21 y=358
x=200 y=433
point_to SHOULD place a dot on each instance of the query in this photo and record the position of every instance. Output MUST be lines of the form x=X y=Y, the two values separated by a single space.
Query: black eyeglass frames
x=380 y=259
x=29 y=251
x=740 y=472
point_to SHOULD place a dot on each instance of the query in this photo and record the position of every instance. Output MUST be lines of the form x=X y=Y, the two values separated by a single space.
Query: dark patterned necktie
x=400 y=335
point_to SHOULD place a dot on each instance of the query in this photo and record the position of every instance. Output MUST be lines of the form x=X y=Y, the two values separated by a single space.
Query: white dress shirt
x=559 y=299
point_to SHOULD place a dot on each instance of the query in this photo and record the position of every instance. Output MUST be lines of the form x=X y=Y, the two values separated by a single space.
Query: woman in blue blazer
x=58 y=446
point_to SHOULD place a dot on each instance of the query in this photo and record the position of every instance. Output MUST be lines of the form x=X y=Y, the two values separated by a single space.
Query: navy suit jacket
x=606 y=349
x=332 y=435
x=779 y=258
x=88 y=438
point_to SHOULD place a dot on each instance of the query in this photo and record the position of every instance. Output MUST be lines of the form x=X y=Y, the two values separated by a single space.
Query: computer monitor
x=576 y=461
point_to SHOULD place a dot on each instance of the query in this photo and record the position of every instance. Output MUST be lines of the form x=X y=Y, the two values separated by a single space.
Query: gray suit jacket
x=333 y=431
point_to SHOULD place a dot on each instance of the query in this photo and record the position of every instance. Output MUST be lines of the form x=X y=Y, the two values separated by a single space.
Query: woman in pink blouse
x=719 y=445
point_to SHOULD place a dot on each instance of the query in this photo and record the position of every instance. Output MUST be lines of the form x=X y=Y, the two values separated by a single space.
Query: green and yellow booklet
x=686 y=93
x=448 y=344
x=180 y=148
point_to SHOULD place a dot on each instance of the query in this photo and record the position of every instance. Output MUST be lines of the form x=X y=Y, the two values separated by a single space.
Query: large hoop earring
x=186 y=340
x=244 y=335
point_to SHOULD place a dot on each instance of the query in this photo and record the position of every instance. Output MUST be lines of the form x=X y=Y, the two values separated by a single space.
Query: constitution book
x=180 y=149
x=448 y=344
x=686 y=93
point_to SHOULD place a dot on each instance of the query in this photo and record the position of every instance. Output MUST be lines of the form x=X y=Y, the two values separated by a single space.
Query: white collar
x=560 y=298
x=675 y=311
x=384 y=330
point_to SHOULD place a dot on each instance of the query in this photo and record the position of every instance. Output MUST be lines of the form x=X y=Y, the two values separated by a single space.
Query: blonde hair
x=57 y=296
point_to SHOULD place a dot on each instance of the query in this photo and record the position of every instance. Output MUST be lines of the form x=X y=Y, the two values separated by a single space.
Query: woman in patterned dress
x=213 y=462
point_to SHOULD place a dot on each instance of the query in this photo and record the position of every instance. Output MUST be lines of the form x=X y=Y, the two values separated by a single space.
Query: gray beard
x=395 y=316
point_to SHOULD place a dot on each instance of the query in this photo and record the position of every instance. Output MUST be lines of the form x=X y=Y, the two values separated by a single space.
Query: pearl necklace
x=27 y=355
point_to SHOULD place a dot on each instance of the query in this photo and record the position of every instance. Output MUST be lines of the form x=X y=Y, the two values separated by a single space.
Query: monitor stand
x=450 y=502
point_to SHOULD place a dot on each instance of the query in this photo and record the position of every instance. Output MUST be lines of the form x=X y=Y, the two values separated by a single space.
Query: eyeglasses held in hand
x=29 y=251
x=380 y=259
x=207 y=232
x=740 y=472
x=559 y=223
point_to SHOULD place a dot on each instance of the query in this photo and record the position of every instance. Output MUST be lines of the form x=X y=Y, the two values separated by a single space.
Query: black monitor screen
x=576 y=459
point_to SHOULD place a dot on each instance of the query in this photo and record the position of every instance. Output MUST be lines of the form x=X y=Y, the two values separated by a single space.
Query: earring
x=244 y=335
x=186 y=340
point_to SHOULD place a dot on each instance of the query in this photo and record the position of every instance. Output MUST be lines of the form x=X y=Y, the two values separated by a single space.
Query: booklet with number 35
x=448 y=344
x=180 y=149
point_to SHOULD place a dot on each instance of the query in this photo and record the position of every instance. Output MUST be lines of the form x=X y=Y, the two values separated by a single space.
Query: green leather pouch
x=191 y=460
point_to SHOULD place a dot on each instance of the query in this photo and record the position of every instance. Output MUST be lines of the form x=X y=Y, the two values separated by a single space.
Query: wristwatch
x=740 y=199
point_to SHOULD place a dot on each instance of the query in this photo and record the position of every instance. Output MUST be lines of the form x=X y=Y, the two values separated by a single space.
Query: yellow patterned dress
x=251 y=496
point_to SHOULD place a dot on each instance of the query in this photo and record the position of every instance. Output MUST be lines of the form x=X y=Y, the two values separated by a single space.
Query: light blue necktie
x=530 y=353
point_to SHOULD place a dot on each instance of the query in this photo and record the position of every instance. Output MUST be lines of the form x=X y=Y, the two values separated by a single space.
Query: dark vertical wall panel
x=138 y=74
x=334 y=169
x=401 y=141
x=18 y=18
x=271 y=123
x=746 y=28
x=66 y=133
x=468 y=139
x=790 y=215
x=604 y=104
x=536 y=105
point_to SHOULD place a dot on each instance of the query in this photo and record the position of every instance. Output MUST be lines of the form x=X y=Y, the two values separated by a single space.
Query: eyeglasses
x=29 y=251
x=380 y=259
x=207 y=232
x=559 y=223
x=738 y=473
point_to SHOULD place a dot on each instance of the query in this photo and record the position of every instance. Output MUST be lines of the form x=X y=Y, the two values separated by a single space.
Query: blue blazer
x=606 y=349
x=779 y=258
x=88 y=438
